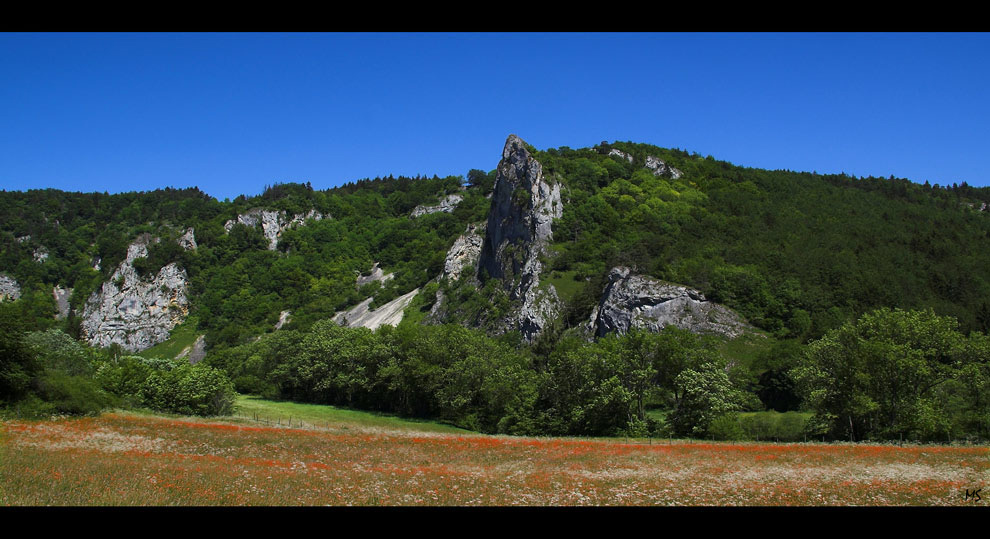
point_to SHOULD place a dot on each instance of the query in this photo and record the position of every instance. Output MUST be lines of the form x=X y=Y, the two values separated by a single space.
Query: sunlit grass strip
x=132 y=460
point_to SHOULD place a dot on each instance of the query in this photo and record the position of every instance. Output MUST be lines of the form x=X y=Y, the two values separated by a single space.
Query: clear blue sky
x=231 y=113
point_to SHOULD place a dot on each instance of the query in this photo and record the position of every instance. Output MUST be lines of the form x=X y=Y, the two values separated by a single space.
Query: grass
x=127 y=459
x=182 y=336
x=318 y=415
x=564 y=283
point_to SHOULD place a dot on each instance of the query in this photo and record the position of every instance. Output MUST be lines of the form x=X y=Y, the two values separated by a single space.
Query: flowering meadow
x=124 y=459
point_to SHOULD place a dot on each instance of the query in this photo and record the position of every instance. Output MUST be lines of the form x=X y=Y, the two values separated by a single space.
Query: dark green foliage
x=796 y=253
x=18 y=367
x=182 y=388
x=894 y=374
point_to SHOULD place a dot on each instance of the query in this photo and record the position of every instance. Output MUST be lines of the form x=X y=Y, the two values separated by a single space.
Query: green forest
x=869 y=297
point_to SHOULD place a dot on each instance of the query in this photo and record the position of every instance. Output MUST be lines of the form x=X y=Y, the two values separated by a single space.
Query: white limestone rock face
x=518 y=233
x=639 y=302
x=133 y=312
x=273 y=223
x=283 y=319
x=41 y=254
x=188 y=240
x=464 y=253
x=621 y=154
x=446 y=205
x=10 y=290
x=389 y=314
x=61 y=296
x=659 y=168
x=377 y=274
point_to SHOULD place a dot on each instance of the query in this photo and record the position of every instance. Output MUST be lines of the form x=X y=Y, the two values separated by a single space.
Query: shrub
x=727 y=428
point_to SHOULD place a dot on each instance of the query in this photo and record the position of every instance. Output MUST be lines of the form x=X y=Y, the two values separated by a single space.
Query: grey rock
x=283 y=319
x=61 y=296
x=41 y=254
x=273 y=223
x=22 y=239
x=464 y=253
x=188 y=240
x=9 y=288
x=377 y=274
x=638 y=302
x=195 y=352
x=389 y=314
x=133 y=312
x=621 y=154
x=518 y=233
x=446 y=205
x=659 y=168
x=301 y=218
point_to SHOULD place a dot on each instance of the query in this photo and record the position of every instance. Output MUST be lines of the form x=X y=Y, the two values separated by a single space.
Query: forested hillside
x=507 y=332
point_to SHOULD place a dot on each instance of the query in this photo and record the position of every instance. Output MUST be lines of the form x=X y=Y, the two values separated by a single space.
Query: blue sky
x=231 y=113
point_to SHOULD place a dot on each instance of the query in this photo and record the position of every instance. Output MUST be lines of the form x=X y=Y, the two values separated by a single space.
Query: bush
x=791 y=426
x=68 y=394
x=759 y=425
x=727 y=428
x=186 y=389
x=772 y=425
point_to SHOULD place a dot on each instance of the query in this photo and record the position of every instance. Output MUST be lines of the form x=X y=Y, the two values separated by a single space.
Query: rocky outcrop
x=61 y=296
x=446 y=205
x=273 y=223
x=41 y=254
x=9 y=289
x=659 y=168
x=518 y=232
x=464 y=253
x=283 y=319
x=377 y=274
x=133 y=312
x=621 y=154
x=188 y=240
x=639 y=302
x=195 y=352
x=389 y=314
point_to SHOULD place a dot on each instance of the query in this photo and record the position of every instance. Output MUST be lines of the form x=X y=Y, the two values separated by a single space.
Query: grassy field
x=130 y=459
x=329 y=417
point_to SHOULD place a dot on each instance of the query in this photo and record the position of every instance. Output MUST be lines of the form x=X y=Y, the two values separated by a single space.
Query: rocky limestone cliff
x=283 y=318
x=273 y=223
x=61 y=296
x=461 y=256
x=377 y=274
x=621 y=154
x=9 y=289
x=41 y=254
x=133 y=312
x=446 y=205
x=638 y=302
x=188 y=240
x=195 y=352
x=389 y=314
x=659 y=168
x=464 y=253
x=518 y=232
